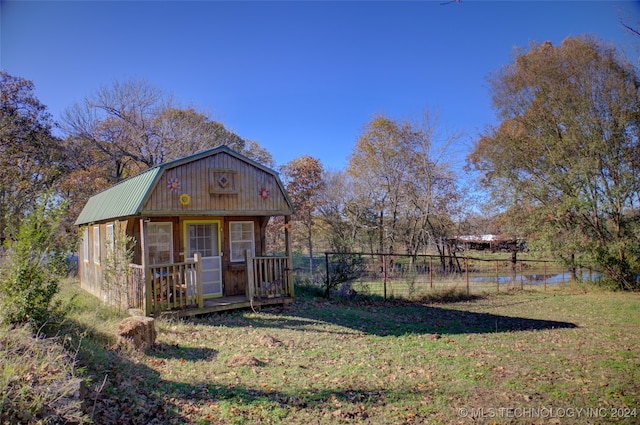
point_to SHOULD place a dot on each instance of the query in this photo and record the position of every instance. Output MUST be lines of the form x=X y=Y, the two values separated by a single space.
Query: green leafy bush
x=32 y=267
x=116 y=268
x=344 y=268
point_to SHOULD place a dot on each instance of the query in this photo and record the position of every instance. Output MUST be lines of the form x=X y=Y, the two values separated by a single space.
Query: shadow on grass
x=137 y=388
x=171 y=351
x=120 y=389
x=123 y=389
x=392 y=318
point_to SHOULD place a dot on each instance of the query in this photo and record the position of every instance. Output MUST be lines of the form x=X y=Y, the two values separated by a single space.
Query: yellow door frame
x=185 y=223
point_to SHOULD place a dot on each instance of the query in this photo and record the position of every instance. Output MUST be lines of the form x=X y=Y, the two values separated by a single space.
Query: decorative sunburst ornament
x=173 y=184
x=264 y=193
x=184 y=199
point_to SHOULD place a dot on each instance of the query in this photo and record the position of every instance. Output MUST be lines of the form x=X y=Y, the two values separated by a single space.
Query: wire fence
x=413 y=277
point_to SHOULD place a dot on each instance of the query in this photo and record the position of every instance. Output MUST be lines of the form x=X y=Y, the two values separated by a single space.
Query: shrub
x=116 y=267
x=344 y=268
x=33 y=265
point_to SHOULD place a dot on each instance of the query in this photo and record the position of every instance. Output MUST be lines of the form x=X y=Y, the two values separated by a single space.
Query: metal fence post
x=326 y=265
x=466 y=270
x=384 y=274
x=521 y=283
x=431 y=272
x=497 y=278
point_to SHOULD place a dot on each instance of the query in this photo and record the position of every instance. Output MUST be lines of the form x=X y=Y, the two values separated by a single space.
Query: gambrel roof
x=217 y=182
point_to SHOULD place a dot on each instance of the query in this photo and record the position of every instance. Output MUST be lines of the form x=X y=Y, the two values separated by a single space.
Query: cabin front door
x=203 y=237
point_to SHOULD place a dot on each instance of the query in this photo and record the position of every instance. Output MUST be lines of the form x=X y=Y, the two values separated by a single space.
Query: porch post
x=145 y=271
x=250 y=285
x=197 y=259
x=288 y=253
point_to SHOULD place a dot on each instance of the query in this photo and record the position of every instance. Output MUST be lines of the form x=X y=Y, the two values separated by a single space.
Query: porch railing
x=173 y=286
x=268 y=277
x=165 y=286
x=135 y=290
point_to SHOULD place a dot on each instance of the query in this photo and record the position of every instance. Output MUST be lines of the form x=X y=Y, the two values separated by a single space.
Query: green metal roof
x=125 y=199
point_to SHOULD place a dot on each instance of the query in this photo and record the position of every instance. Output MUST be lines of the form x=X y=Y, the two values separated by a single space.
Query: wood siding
x=218 y=185
x=90 y=267
x=233 y=274
x=222 y=187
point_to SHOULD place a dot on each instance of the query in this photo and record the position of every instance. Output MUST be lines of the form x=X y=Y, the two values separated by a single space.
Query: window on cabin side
x=96 y=244
x=85 y=244
x=110 y=238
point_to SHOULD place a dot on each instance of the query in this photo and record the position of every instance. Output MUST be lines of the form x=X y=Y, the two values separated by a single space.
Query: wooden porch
x=176 y=289
x=214 y=305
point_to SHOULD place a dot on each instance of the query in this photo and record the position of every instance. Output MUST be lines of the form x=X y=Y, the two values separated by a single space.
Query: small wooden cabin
x=198 y=225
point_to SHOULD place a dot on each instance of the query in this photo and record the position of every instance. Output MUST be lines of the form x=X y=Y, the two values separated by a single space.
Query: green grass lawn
x=517 y=357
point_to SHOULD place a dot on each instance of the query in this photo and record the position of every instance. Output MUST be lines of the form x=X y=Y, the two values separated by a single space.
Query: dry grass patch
x=38 y=382
x=239 y=360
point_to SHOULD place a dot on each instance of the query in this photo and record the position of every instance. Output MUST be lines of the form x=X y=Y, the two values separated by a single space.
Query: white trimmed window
x=160 y=243
x=110 y=238
x=96 y=244
x=241 y=239
x=85 y=245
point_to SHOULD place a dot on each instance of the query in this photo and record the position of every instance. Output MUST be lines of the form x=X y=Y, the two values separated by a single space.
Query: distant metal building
x=489 y=242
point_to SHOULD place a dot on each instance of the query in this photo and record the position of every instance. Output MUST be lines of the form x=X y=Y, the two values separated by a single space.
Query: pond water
x=534 y=278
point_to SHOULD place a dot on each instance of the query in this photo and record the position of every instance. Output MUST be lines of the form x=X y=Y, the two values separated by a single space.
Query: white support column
x=197 y=259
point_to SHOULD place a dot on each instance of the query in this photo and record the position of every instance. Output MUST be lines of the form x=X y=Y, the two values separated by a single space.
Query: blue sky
x=299 y=77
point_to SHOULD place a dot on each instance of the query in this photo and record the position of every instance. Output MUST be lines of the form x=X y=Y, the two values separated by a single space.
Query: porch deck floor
x=212 y=305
